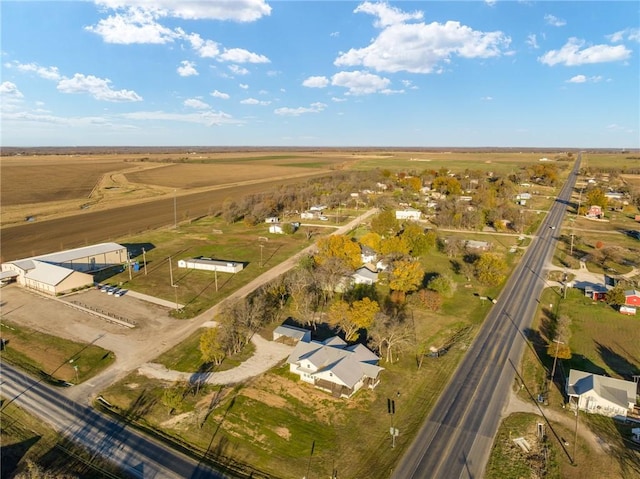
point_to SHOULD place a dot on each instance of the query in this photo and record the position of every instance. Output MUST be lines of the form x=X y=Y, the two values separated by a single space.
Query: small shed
x=629 y=310
x=291 y=334
x=210 y=264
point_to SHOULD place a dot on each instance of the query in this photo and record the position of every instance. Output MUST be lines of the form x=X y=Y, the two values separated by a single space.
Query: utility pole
x=170 y=271
x=391 y=409
x=555 y=359
x=575 y=435
x=144 y=260
x=175 y=211
x=261 y=249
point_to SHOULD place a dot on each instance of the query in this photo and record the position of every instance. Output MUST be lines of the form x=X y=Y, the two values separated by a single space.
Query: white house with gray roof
x=60 y=272
x=335 y=367
x=601 y=394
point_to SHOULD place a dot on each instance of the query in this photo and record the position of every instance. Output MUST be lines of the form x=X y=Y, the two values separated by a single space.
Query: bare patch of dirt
x=283 y=432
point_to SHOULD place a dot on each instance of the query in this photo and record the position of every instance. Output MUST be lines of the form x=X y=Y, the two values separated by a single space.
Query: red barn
x=632 y=297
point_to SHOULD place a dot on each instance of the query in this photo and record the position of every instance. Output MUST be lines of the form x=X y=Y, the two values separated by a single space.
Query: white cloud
x=240 y=55
x=334 y=34
x=234 y=10
x=253 y=101
x=316 y=82
x=486 y=98
x=554 y=21
x=208 y=118
x=99 y=88
x=238 y=70
x=219 y=94
x=386 y=14
x=187 y=69
x=532 y=41
x=244 y=86
x=419 y=47
x=204 y=48
x=134 y=25
x=313 y=108
x=360 y=83
x=584 y=79
x=571 y=55
x=338 y=100
x=491 y=3
x=196 y=103
x=10 y=94
x=48 y=73
x=631 y=34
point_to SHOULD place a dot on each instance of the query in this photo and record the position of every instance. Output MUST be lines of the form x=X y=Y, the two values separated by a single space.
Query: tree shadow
x=13 y=454
x=616 y=362
x=581 y=363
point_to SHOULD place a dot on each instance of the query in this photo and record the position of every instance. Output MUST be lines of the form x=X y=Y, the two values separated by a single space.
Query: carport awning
x=7 y=275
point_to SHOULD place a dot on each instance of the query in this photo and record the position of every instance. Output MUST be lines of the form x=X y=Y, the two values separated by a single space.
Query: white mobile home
x=210 y=264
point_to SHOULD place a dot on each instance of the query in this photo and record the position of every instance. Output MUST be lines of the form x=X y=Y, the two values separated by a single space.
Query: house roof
x=632 y=292
x=366 y=250
x=348 y=364
x=365 y=272
x=617 y=391
x=290 y=331
x=50 y=274
x=217 y=262
x=79 y=253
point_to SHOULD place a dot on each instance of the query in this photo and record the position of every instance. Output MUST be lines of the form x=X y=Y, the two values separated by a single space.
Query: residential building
x=367 y=255
x=632 y=297
x=335 y=367
x=408 y=214
x=601 y=394
x=594 y=211
x=364 y=275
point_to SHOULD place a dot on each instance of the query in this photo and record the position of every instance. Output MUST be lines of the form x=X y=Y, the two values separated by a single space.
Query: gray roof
x=632 y=292
x=48 y=273
x=291 y=331
x=348 y=363
x=217 y=262
x=617 y=391
x=73 y=254
x=366 y=273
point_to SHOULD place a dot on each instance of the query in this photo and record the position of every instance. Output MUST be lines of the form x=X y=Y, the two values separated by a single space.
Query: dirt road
x=89 y=227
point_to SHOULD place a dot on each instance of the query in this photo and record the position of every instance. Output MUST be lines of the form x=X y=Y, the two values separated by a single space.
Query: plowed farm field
x=54 y=202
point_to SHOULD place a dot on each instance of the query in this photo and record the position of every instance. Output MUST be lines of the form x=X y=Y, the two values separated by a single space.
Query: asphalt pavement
x=456 y=439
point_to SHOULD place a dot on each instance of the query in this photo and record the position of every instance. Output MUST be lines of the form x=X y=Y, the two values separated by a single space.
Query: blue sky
x=320 y=73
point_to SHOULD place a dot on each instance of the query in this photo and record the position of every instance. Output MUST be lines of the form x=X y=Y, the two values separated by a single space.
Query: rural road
x=456 y=439
x=136 y=454
x=86 y=391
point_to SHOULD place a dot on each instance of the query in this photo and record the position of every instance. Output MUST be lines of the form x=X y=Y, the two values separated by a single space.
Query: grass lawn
x=50 y=357
x=25 y=438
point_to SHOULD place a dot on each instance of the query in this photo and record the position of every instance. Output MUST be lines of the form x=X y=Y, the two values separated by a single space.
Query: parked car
x=105 y=288
x=113 y=290
x=120 y=292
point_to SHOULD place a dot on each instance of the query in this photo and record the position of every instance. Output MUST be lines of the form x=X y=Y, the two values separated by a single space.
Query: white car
x=323 y=218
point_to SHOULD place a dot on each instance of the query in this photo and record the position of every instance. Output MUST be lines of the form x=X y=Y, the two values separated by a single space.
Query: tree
x=490 y=269
x=385 y=223
x=430 y=299
x=172 y=397
x=352 y=318
x=596 y=197
x=387 y=335
x=615 y=296
x=406 y=276
x=395 y=246
x=447 y=185
x=339 y=247
x=211 y=349
x=419 y=243
x=442 y=284
x=372 y=240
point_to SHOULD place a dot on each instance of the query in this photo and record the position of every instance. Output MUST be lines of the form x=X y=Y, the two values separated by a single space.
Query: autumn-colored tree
x=596 y=197
x=339 y=247
x=406 y=276
x=430 y=299
x=414 y=183
x=419 y=243
x=395 y=246
x=558 y=350
x=372 y=240
x=447 y=185
x=211 y=349
x=385 y=223
x=351 y=318
x=490 y=269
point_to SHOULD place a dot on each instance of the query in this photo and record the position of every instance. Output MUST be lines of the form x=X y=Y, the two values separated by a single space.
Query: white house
x=318 y=208
x=601 y=394
x=367 y=255
x=308 y=215
x=291 y=334
x=364 y=275
x=210 y=264
x=272 y=219
x=276 y=229
x=408 y=214
x=335 y=367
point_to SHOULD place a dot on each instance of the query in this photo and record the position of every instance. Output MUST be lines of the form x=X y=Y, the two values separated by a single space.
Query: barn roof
x=48 y=273
x=79 y=253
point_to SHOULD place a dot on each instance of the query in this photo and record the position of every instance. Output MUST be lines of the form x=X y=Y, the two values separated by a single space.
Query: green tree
x=172 y=397
x=372 y=240
x=210 y=348
x=491 y=269
x=447 y=185
x=442 y=284
x=394 y=246
x=615 y=296
x=339 y=247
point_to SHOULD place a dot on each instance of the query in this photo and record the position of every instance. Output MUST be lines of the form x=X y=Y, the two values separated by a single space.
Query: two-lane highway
x=133 y=452
x=456 y=439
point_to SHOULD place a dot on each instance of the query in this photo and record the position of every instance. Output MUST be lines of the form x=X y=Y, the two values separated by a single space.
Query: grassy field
x=50 y=357
x=602 y=342
x=24 y=438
